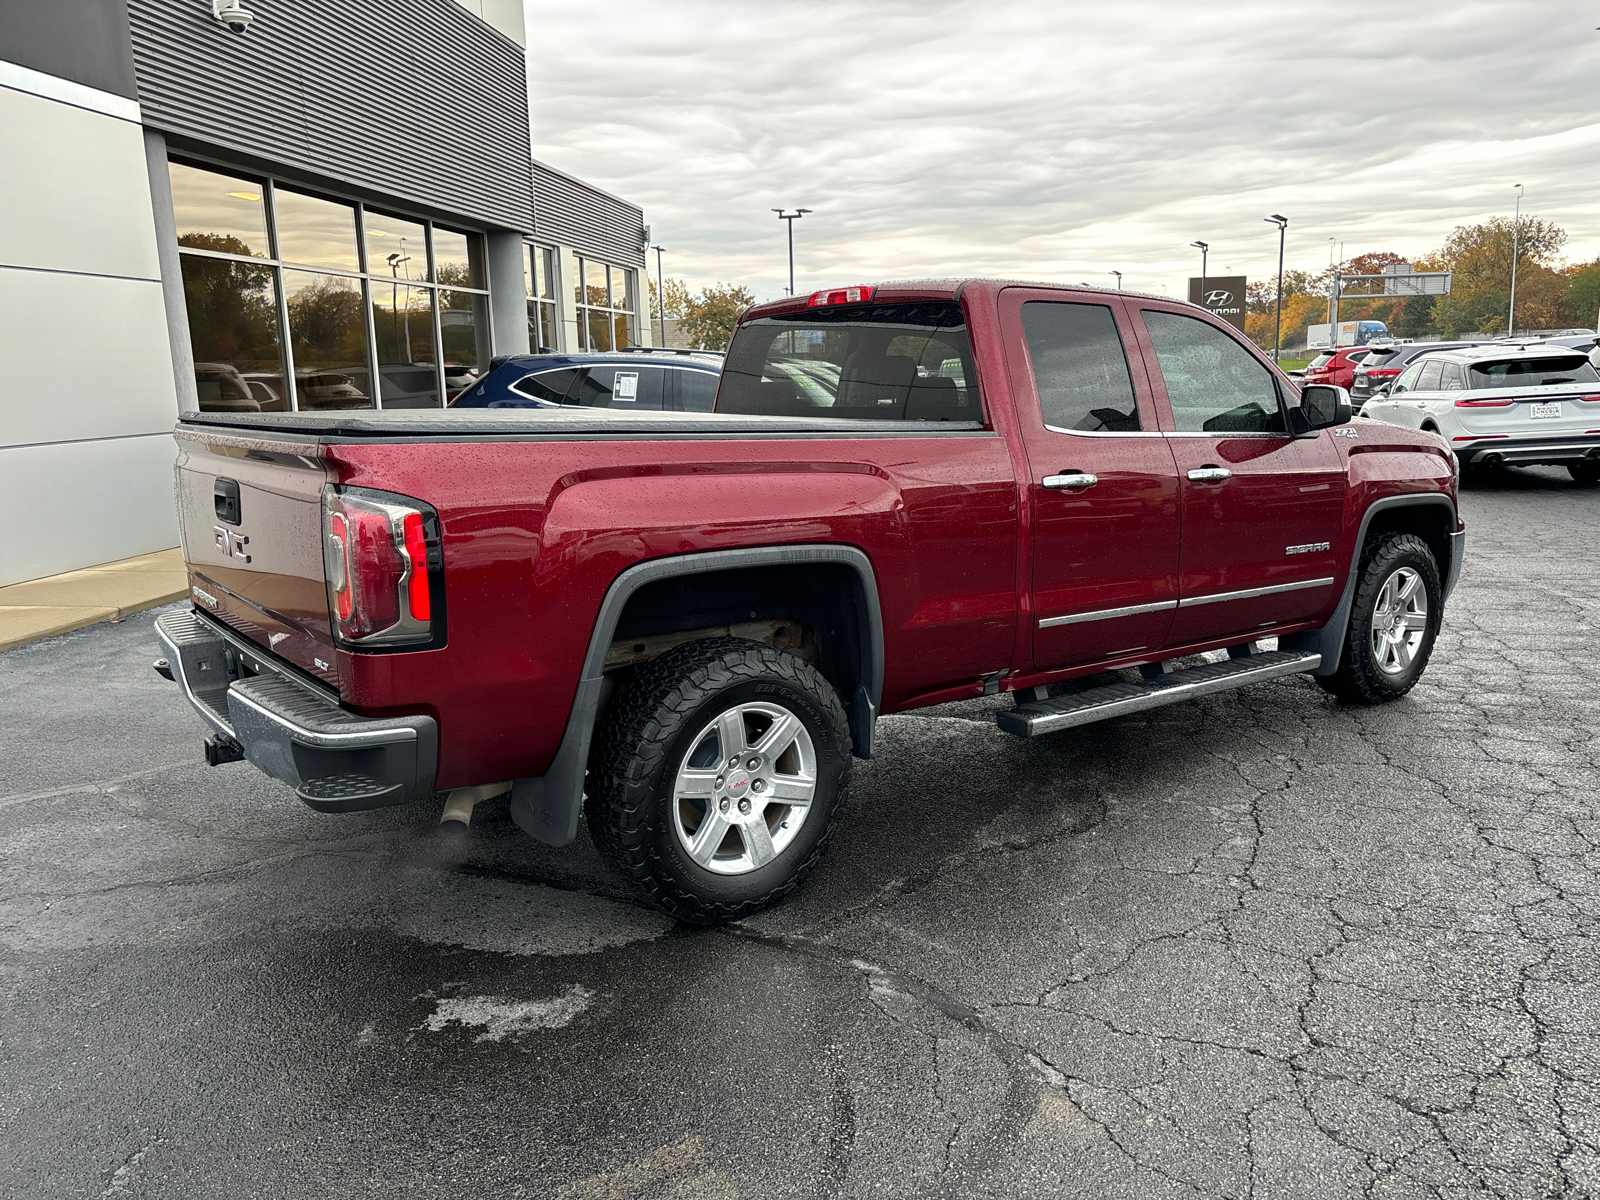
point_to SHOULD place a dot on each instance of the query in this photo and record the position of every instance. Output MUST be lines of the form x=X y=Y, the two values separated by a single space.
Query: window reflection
x=396 y=247
x=233 y=328
x=599 y=330
x=594 y=278
x=329 y=339
x=402 y=324
x=464 y=332
x=457 y=258
x=621 y=289
x=218 y=212
x=317 y=232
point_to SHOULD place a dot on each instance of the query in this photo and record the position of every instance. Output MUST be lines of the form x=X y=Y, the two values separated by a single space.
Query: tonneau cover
x=557 y=423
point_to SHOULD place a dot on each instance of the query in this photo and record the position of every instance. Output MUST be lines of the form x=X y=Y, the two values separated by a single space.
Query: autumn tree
x=1479 y=258
x=1582 y=302
x=706 y=319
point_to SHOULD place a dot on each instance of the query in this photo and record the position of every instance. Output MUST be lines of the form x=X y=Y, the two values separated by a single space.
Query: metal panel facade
x=571 y=213
x=417 y=100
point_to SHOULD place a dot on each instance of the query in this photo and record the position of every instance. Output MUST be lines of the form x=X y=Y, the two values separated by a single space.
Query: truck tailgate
x=250 y=511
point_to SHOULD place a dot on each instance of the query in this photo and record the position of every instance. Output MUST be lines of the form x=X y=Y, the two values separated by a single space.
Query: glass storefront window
x=594 y=279
x=219 y=212
x=599 y=329
x=546 y=259
x=319 y=233
x=362 y=292
x=233 y=328
x=328 y=338
x=458 y=258
x=396 y=247
x=622 y=289
x=402 y=326
x=464 y=333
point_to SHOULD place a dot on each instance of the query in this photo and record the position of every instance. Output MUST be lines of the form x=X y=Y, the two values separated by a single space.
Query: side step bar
x=1114 y=699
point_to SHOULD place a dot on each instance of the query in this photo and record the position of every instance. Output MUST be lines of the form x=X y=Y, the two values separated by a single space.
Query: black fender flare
x=548 y=806
x=1329 y=639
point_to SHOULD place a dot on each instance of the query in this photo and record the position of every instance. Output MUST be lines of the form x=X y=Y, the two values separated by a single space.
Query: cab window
x=1213 y=384
x=1079 y=367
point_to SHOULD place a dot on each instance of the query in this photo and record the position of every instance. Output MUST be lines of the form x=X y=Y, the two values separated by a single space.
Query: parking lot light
x=1204 y=246
x=1118 y=274
x=1282 y=222
x=1516 y=228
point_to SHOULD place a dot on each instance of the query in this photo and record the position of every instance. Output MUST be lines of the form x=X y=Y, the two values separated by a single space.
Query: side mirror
x=1322 y=405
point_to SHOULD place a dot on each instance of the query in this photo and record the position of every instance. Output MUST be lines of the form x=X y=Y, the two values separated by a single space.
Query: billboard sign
x=1223 y=296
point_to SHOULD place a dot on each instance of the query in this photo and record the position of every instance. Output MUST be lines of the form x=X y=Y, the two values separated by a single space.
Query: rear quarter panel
x=536 y=531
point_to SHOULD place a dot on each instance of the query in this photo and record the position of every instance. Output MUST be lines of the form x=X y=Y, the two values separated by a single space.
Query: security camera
x=232 y=14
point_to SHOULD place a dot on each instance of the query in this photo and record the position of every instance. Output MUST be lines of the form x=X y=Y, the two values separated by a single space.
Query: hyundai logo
x=1218 y=298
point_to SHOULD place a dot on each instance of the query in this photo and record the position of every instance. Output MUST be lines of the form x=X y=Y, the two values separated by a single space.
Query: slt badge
x=231 y=543
x=1345 y=431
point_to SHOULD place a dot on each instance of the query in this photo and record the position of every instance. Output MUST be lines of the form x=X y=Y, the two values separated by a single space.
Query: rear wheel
x=1394 y=620
x=1585 y=473
x=716 y=781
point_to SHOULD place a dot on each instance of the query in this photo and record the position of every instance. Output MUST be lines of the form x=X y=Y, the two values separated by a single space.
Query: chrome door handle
x=1210 y=474
x=1076 y=481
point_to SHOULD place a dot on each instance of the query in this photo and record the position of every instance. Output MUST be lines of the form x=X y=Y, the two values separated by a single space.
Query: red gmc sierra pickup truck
x=686 y=624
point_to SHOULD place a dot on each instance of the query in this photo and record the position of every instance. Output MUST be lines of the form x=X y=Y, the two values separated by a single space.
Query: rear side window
x=910 y=362
x=697 y=390
x=1079 y=367
x=623 y=387
x=1432 y=371
x=1213 y=384
x=1534 y=372
x=551 y=386
x=1320 y=362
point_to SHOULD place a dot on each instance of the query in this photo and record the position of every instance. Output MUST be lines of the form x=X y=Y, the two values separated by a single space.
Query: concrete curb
x=49 y=607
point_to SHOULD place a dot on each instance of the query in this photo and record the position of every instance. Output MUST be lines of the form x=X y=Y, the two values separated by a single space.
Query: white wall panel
x=83 y=356
x=79 y=504
x=74 y=194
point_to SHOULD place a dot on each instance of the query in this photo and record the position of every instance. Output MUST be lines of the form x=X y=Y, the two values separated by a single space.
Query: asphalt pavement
x=1262 y=944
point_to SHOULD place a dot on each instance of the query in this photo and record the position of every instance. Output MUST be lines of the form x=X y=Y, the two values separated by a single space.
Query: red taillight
x=1484 y=403
x=1384 y=371
x=377 y=564
x=417 y=552
x=850 y=295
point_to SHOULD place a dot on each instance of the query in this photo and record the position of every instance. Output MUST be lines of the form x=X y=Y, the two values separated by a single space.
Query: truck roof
x=901 y=291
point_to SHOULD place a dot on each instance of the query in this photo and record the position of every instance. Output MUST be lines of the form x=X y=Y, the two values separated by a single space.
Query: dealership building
x=265 y=205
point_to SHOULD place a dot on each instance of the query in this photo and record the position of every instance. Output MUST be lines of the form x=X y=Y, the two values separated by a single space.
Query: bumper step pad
x=1115 y=699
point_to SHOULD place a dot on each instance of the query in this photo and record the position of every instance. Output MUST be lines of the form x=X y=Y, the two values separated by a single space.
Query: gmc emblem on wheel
x=231 y=543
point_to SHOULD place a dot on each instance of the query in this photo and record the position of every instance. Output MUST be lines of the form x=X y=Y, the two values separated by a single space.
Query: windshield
x=1534 y=372
x=906 y=362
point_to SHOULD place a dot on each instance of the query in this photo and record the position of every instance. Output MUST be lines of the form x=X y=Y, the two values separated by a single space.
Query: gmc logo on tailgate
x=232 y=544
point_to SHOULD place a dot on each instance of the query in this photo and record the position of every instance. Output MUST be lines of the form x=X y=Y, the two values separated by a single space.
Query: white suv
x=1516 y=405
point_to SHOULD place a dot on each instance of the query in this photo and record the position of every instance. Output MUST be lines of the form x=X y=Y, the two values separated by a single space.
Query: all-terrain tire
x=654 y=726
x=1361 y=678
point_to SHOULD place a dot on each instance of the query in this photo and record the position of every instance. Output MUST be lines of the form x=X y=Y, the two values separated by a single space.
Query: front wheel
x=1394 y=621
x=716 y=781
x=1585 y=473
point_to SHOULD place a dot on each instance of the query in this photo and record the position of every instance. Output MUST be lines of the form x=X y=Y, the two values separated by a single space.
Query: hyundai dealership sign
x=1222 y=295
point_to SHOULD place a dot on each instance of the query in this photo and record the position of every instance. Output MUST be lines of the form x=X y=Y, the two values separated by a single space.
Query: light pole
x=1118 y=274
x=1330 y=282
x=1282 y=222
x=1516 y=228
x=394 y=260
x=791 y=218
x=661 y=294
x=1204 y=246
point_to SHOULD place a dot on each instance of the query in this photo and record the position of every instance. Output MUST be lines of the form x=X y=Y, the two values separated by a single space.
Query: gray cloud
x=1060 y=141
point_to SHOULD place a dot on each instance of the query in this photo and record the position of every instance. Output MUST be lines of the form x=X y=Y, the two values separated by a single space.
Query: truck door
x=1102 y=482
x=1262 y=511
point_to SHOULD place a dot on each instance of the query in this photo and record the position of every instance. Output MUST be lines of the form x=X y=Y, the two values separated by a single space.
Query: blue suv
x=638 y=380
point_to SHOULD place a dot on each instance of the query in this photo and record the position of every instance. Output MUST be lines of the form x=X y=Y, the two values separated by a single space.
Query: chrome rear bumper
x=335 y=760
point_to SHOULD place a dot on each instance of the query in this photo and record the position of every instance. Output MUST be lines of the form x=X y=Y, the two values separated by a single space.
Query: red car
x=1336 y=367
x=684 y=625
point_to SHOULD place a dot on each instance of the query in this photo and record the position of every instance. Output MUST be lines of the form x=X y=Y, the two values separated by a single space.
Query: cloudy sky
x=1064 y=140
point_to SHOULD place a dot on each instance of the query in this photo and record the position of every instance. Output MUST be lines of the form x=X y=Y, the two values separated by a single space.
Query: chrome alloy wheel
x=1399 y=621
x=745 y=788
